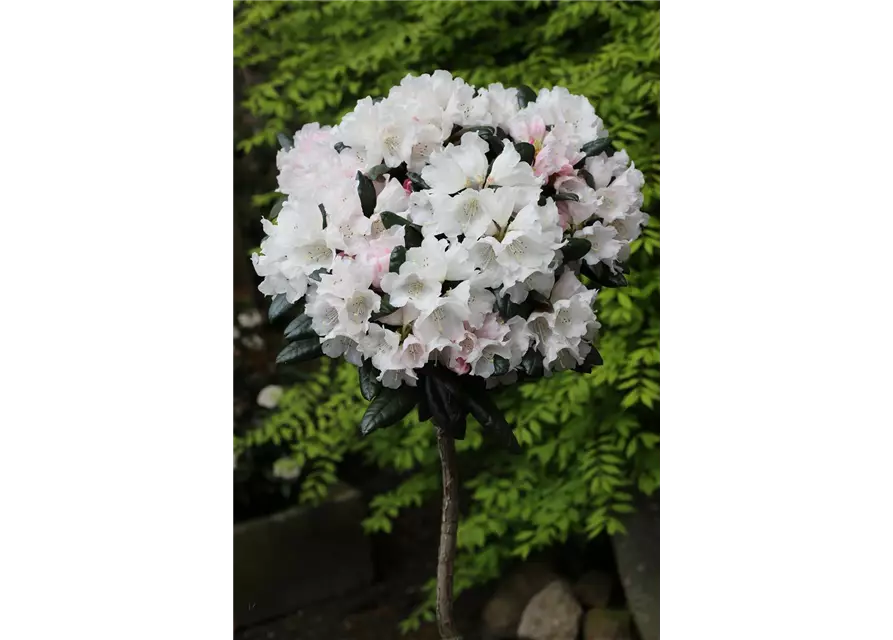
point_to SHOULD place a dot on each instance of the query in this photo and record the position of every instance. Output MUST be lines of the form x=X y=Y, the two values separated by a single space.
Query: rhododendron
x=446 y=240
x=454 y=226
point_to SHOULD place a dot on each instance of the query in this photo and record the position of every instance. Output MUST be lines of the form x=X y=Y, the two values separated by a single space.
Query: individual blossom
x=385 y=130
x=269 y=396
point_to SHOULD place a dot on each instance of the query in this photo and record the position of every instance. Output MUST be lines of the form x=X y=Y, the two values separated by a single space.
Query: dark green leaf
x=496 y=148
x=388 y=407
x=389 y=219
x=601 y=274
x=416 y=181
x=274 y=212
x=447 y=411
x=424 y=408
x=507 y=309
x=532 y=363
x=398 y=257
x=526 y=151
x=575 y=249
x=573 y=197
x=377 y=171
x=486 y=132
x=340 y=146
x=595 y=147
x=539 y=301
x=413 y=237
x=325 y=219
x=300 y=351
x=279 y=307
x=592 y=359
x=478 y=402
x=525 y=95
x=284 y=141
x=300 y=328
x=501 y=366
x=366 y=191
x=590 y=181
x=485 y=411
x=369 y=384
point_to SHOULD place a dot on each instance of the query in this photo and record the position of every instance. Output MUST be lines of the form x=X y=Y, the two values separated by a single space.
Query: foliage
x=589 y=440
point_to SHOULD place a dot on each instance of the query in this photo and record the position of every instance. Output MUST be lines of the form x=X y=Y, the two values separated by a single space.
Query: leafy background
x=590 y=441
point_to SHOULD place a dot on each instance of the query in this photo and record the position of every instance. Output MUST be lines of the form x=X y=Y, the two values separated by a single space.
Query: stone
x=503 y=611
x=638 y=563
x=300 y=556
x=552 y=614
x=603 y=624
x=593 y=589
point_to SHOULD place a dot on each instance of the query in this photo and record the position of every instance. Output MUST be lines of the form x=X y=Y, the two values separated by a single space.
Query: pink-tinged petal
x=407 y=186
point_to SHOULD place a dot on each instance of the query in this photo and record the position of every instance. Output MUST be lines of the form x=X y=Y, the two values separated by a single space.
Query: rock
x=638 y=563
x=593 y=589
x=552 y=614
x=503 y=612
x=602 y=624
x=300 y=556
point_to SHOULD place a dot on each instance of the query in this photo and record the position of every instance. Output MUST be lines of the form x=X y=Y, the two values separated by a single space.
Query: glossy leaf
x=398 y=257
x=274 y=212
x=592 y=359
x=390 y=219
x=447 y=410
x=388 y=408
x=284 y=141
x=486 y=132
x=526 y=151
x=366 y=191
x=532 y=363
x=377 y=171
x=485 y=411
x=369 y=384
x=279 y=307
x=416 y=181
x=300 y=351
x=525 y=95
x=602 y=275
x=595 y=147
x=501 y=366
x=300 y=328
x=575 y=249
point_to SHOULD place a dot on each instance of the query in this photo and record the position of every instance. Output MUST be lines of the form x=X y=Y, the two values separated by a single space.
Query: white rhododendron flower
x=453 y=226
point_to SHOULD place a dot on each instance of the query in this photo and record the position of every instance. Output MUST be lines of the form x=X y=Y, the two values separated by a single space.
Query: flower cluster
x=450 y=224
